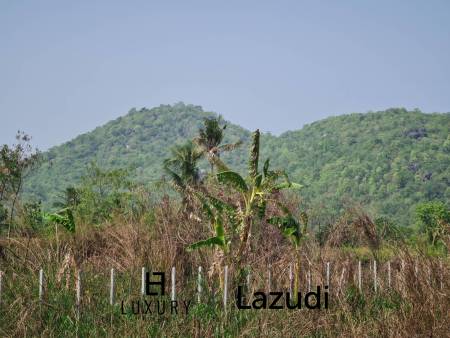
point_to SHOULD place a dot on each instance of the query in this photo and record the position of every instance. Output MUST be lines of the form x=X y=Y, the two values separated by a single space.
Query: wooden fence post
x=173 y=295
x=225 y=287
x=41 y=284
x=199 y=284
x=112 y=287
x=359 y=277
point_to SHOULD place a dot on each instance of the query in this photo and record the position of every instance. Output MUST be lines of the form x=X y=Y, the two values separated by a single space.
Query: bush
x=434 y=220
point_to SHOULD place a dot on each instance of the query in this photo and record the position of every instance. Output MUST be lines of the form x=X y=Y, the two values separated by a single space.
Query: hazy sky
x=69 y=66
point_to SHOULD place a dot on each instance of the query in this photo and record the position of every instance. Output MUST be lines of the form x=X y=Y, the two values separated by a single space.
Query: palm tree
x=210 y=138
x=182 y=168
x=255 y=192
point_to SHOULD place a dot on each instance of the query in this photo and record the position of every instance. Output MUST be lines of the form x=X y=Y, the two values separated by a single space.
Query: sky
x=67 y=67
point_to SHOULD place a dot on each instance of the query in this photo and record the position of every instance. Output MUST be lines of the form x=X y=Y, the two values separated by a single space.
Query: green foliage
x=32 y=215
x=387 y=230
x=182 y=165
x=15 y=163
x=211 y=134
x=100 y=194
x=63 y=217
x=290 y=228
x=377 y=160
x=218 y=240
x=70 y=198
x=388 y=161
x=254 y=194
x=138 y=141
x=434 y=220
x=3 y=215
x=232 y=179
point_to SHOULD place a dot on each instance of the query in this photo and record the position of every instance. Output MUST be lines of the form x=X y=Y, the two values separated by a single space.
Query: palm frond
x=229 y=146
x=219 y=164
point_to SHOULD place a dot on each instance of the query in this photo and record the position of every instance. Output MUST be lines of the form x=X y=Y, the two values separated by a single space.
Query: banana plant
x=217 y=240
x=62 y=217
x=255 y=192
x=215 y=210
x=295 y=233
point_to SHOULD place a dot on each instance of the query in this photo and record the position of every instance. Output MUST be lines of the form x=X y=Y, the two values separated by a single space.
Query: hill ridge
x=380 y=159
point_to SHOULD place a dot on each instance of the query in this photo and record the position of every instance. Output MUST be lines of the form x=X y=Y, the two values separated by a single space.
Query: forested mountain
x=387 y=161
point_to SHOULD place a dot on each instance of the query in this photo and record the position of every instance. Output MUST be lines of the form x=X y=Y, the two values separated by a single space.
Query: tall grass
x=417 y=305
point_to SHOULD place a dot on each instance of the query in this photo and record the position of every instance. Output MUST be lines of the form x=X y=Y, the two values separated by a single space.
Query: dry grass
x=416 y=305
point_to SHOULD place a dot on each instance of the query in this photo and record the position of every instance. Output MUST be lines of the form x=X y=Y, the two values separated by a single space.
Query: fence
x=334 y=275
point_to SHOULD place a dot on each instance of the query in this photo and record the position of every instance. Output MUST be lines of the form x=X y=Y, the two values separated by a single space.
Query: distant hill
x=387 y=161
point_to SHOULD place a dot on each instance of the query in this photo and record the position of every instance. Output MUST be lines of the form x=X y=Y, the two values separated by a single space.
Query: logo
x=277 y=300
x=158 y=305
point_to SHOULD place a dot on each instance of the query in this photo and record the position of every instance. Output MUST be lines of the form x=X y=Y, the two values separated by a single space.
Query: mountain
x=140 y=140
x=387 y=161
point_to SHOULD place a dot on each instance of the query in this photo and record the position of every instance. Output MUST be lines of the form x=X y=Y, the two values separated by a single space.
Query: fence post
x=173 y=295
x=225 y=287
x=389 y=274
x=199 y=284
x=41 y=284
x=143 y=281
x=328 y=275
x=1 y=284
x=269 y=278
x=78 y=291
x=111 y=290
x=375 y=275
x=359 y=277
x=342 y=278
x=291 y=279
x=309 y=277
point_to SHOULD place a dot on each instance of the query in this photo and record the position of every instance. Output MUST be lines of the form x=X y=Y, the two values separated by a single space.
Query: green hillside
x=387 y=161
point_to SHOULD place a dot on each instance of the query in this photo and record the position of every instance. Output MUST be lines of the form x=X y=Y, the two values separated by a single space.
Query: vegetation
x=254 y=194
x=210 y=138
x=252 y=223
x=15 y=163
x=434 y=220
x=388 y=162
